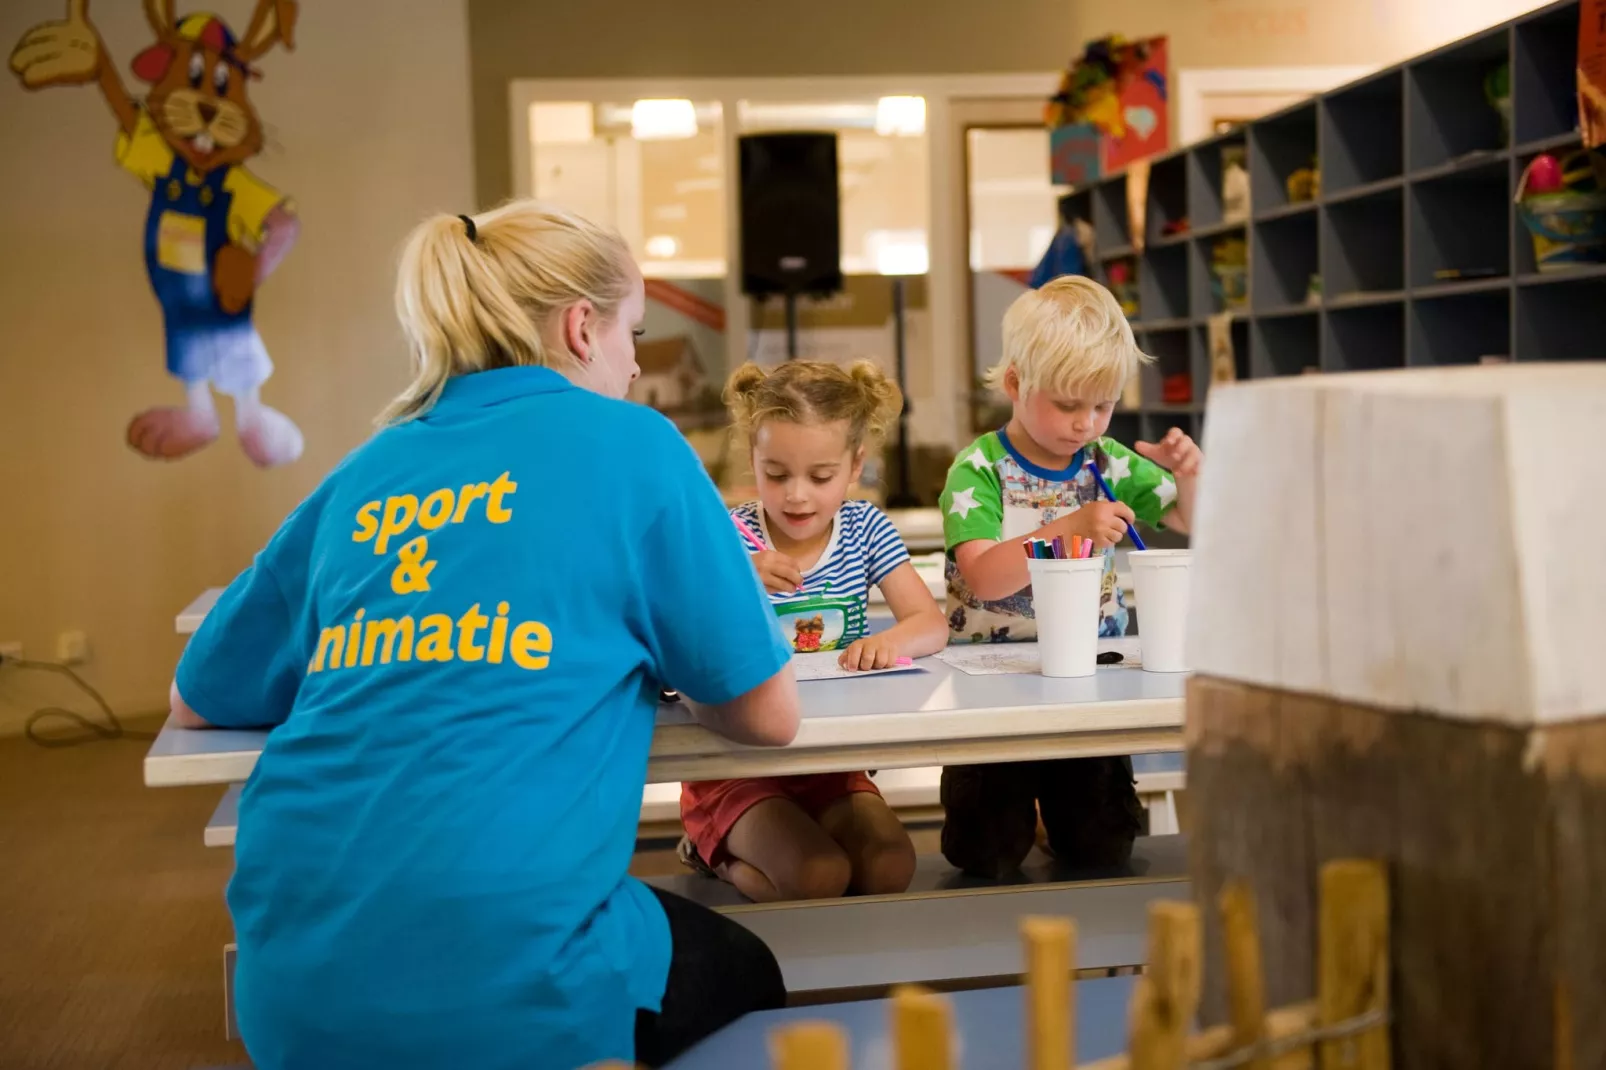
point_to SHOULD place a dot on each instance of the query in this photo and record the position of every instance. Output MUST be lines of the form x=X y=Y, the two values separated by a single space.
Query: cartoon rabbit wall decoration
x=214 y=231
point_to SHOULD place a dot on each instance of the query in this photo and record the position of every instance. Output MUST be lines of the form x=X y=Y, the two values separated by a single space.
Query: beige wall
x=733 y=38
x=368 y=131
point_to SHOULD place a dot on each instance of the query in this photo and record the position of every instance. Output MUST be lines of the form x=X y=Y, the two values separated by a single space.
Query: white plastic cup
x=1161 y=579
x=1065 y=600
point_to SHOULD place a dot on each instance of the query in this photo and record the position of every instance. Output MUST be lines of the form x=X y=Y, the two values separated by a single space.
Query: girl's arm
x=922 y=627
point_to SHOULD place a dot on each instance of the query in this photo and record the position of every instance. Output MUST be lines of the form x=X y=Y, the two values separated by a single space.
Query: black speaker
x=791 y=214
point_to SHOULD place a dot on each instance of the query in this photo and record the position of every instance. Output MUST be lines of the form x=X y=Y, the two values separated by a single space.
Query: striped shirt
x=830 y=611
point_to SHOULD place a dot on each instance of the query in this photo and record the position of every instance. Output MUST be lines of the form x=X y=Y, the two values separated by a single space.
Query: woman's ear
x=579 y=325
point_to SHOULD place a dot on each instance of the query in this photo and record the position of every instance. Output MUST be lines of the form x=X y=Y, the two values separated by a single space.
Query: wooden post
x=810 y=1046
x=1352 y=957
x=1167 y=997
x=922 y=1030
x=1246 y=987
x=1050 y=1010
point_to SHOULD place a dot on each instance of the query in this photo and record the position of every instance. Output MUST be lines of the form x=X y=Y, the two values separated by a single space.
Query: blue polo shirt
x=458 y=641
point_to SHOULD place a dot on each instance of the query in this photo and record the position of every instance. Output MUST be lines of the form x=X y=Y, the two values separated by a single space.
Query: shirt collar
x=1069 y=472
x=477 y=390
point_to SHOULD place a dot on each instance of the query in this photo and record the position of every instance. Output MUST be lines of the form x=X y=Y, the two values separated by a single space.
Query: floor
x=112 y=920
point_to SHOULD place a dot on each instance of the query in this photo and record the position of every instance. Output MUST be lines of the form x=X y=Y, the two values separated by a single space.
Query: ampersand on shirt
x=411 y=575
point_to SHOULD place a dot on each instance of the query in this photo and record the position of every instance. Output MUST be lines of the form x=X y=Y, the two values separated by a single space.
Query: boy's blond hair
x=1067 y=337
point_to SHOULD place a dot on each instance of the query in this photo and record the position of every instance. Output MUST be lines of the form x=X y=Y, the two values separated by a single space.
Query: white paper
x=823 y=666
x=997 y=659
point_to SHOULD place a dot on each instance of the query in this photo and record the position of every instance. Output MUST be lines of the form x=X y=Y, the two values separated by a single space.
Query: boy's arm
x=994 y=570
x=1158 y=497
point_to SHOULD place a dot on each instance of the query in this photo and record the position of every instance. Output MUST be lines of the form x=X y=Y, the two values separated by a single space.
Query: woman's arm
x=766 y=716
x=186 y=717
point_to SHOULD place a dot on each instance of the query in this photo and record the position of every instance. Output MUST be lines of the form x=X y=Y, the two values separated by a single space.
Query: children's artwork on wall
x=213 y=231
x=1120 y=88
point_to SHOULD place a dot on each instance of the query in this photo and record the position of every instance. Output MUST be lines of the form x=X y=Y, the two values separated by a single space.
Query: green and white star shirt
x=996 y=494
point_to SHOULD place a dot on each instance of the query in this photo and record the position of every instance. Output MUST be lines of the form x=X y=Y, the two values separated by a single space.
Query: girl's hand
x=1175 y=452
x=877 y=651
x=778 y=572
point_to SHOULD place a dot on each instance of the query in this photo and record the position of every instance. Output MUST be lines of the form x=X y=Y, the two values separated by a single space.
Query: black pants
x=719 y=972
x=1090 y=809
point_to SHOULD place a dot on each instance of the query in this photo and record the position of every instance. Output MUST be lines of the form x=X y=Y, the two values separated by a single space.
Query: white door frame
x=936 y=419
x=1197 y=84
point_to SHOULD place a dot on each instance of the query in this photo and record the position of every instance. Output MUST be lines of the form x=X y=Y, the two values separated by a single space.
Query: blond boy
x=1068 y=354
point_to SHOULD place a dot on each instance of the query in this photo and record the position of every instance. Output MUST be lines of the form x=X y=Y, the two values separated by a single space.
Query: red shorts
x=709 y=808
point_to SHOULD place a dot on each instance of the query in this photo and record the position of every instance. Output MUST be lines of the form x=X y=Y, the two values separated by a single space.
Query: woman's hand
x=879 y=651
x=778 y=572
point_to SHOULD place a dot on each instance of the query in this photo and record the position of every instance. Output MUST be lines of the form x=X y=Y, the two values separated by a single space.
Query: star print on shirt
x=1120 y=467
x=977 y=460
x=963 y=502
x=1166 y=492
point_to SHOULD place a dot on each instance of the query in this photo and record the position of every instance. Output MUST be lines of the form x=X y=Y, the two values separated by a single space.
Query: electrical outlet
x=72 y=647
x=11 y=650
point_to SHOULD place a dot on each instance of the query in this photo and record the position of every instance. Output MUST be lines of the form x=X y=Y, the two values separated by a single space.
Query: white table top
x=877 y=722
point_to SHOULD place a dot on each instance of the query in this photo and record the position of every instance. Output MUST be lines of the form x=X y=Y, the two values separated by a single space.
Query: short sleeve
x=242 y=669
x=250 y=201
x=711 y=630
x=144 y=153
x=972 y=501
x=1147 y=488
x=884 y=548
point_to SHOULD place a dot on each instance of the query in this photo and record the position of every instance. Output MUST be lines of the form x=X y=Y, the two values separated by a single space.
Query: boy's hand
x=778 y=572
x=872 y=652
x=1103 y=522
x=1176 y=452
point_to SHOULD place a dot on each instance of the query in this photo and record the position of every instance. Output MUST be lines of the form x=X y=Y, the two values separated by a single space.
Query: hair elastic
x=468 y=225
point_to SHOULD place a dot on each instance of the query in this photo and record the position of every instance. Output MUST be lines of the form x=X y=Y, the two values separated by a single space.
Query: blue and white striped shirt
x=829 y=612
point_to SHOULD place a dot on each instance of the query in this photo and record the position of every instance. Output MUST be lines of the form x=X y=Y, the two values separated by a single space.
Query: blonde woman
x=458 y=642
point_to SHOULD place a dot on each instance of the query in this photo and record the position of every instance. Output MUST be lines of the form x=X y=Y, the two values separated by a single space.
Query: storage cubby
x=1282 y=260
x=1449 y=114
x=1173 y=356
x=1285 y=345
x=1202 y=280
x=1163 y=283
x=1364 y=337
x=1563 y=316
x=1461 y=222
x=1363 y=133
x=1168 y=199
x=1460 y=328
x=1363 y=247
x=1077 y=205
x=1204 y=180
x=1543 y=80
x=1111 y=232
x=1421 y=255
x=1156 y=424
x=1279 y=146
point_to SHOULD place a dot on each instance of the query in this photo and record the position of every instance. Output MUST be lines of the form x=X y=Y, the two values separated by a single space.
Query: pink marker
x=904 y=661
x=747 y=532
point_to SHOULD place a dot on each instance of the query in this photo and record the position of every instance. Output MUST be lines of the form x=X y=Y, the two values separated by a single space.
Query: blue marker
x=1104 y=488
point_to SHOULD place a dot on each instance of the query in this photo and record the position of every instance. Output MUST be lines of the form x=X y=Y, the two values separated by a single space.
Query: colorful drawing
x=214 y=231
x=1119 y=88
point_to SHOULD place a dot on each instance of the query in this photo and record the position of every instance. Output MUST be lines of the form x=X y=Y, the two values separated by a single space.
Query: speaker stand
x=791 y=325
x=903 y=498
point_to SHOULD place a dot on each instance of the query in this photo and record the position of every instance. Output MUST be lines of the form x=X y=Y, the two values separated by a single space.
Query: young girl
x=816 y=837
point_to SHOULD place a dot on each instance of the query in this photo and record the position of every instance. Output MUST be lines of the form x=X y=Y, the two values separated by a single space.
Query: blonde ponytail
x=476 y=294
x=812 y=391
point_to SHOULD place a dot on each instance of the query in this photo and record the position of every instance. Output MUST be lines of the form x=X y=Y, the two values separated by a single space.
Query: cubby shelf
x=1417 y=179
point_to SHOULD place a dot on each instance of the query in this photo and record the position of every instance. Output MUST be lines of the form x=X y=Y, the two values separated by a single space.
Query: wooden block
x=1574 y=763
x=1166 y=998
x=1407 y=541
x=1353 y=955
x=922 y=1030
x=1246 y=986
x=1050 y=1013
x=810 y=1046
